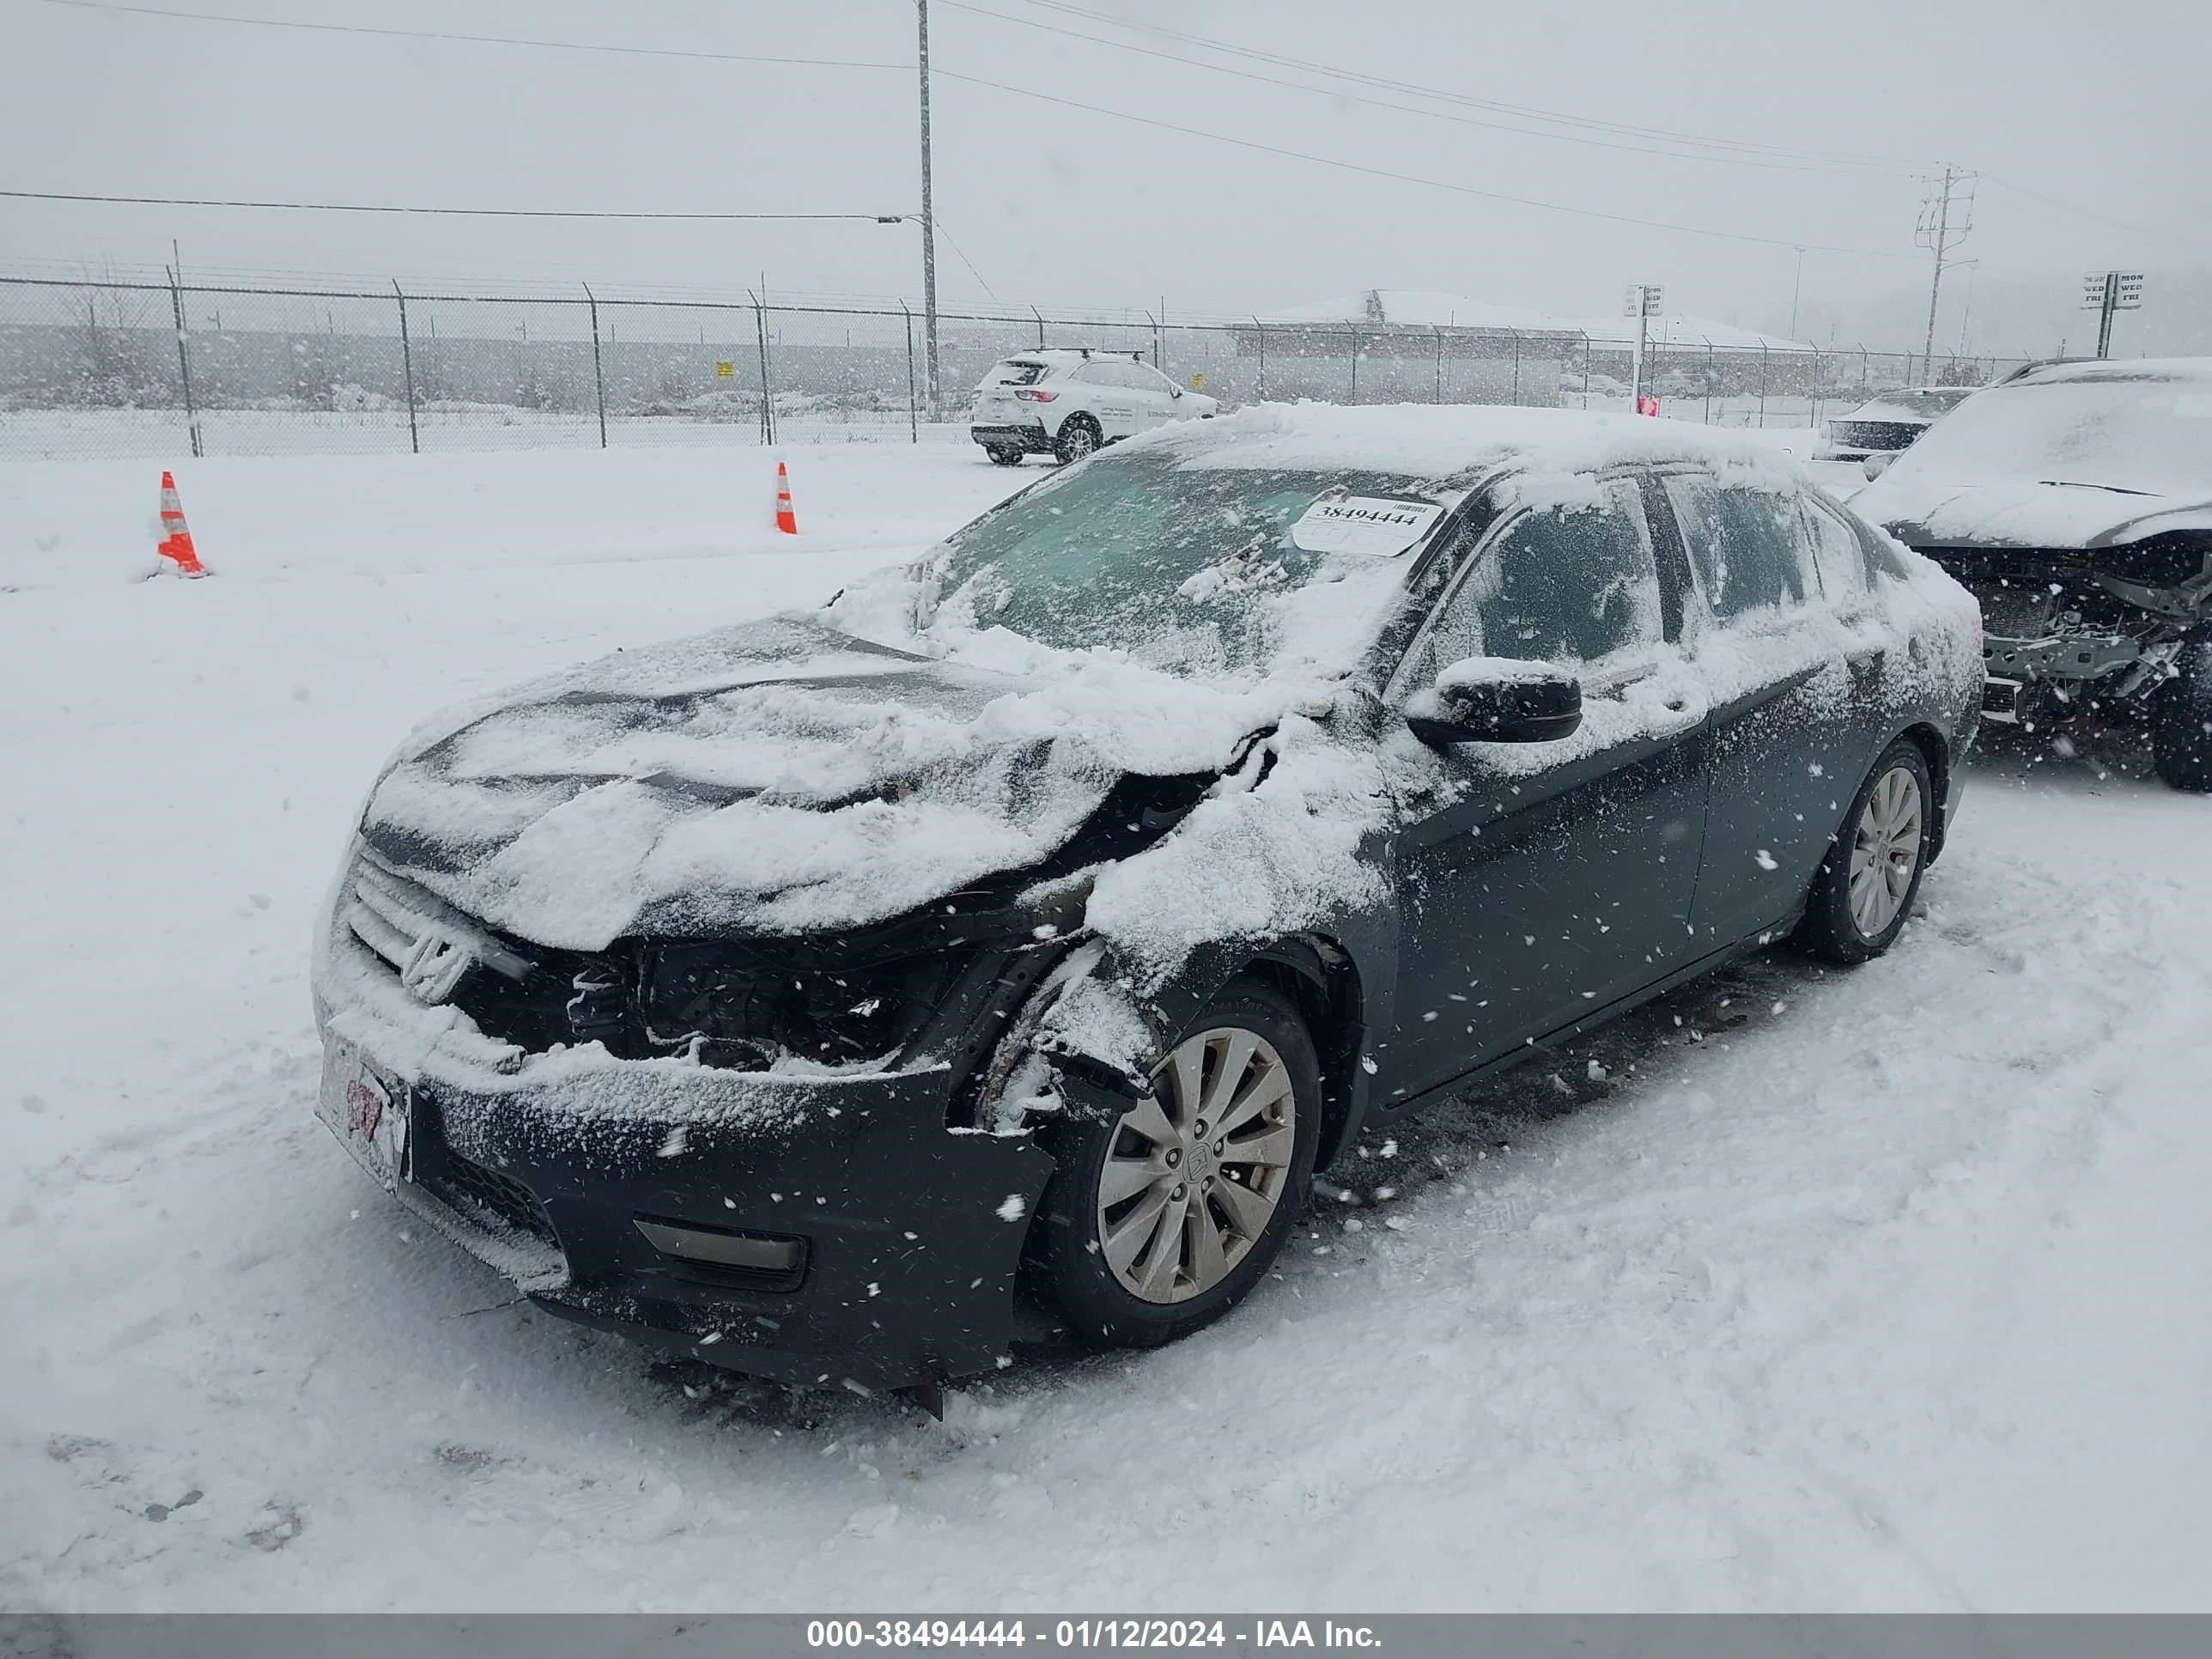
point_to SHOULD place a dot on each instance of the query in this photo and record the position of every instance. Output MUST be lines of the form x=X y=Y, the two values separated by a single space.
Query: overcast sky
x=2102 y=108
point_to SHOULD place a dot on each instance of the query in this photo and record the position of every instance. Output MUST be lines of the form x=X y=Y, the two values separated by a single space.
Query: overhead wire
x=1527 y=112
x=1856 y=169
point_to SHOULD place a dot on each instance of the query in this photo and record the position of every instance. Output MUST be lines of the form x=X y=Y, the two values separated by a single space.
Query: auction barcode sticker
x=1374 y=524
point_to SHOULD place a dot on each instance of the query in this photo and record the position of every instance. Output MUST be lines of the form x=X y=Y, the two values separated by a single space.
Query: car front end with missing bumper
x=810 y=1220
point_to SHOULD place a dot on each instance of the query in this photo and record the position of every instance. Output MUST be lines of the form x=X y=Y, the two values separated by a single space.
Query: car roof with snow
x=1431 y=441
x=1062 y=356
x=2179 y=371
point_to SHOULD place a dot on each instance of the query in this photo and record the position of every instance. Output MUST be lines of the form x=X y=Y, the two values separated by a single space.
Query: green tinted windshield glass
x=1175 y=565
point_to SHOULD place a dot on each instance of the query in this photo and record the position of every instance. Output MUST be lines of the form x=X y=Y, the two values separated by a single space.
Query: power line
x=469 y=39
x=1852 y=170
x=1526 y=112
x=2089 y=213
x=1410 y=178
x=460 y=212
x=971 y=80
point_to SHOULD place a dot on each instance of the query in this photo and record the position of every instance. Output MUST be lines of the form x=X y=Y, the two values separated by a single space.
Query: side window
x=1837 y=554
x=1571 y=582
x=1745 y=544
x=1094 y=374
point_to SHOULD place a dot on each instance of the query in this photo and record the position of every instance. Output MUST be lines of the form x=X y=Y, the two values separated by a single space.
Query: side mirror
x=1875 y=465
x=1489 y=700
x=1175 y=391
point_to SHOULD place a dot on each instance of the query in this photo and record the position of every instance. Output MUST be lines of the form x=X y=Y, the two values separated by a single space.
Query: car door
x=1782 y=757
x=1537 y=883
x=1109 y=396
x=1157 y=394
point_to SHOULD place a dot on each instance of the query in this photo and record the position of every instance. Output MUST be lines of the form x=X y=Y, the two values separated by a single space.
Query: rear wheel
x=1004 y=455
x=1078 y=436
x=2181 y=725
x=1158 y=1222
x=1865 y=886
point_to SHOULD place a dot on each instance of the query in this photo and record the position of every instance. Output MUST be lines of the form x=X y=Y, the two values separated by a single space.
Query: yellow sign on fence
x=1198 y=383
x=723 y=371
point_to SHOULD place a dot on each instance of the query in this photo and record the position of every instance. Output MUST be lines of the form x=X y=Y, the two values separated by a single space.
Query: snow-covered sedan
x=2074 y=501
x=1068 y=403
x=847 y=995
x=1878 y=430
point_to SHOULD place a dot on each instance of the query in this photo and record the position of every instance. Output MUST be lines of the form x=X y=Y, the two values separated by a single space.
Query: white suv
x=1067 y=403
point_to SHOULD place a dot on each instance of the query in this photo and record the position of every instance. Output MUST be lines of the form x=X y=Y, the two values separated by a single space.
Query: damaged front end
x=2092 y=631
x=792 y=1156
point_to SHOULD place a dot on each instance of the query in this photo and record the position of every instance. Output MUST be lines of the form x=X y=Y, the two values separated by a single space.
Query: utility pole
x=1944 y=219
x=928 y=232
x=1796 y=288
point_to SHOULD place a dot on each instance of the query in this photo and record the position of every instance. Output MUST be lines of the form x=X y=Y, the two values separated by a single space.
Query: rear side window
x=1883 y=558
x=1745 y=544
x=1837 y=554
x=1015 y=372
x=1569 y=582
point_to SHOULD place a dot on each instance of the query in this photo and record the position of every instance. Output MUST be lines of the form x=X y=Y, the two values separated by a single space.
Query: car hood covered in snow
x=777 y=776
x=1927 y=512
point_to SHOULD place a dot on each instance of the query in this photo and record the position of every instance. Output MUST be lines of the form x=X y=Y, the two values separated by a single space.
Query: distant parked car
x=1883 y=426
x=2075 y=500
x=1048 y=911
x=1068 y=403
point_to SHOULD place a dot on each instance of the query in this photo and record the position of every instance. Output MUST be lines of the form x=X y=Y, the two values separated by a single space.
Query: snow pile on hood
x=779 y=776
x=2073 y=455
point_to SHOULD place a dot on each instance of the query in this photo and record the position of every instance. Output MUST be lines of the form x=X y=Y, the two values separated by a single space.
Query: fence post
x=1762 y=383
x=913 y=413
x=1260 y=329
x=407 y=370
x=1355 y=366
x=767 y=394
x=1440 y=361
x=1517 y=369
x=1812 y=394
x=185 y=362
x=1586 y=366
x=598 y=375
x=1712 y=379
x=1040 y=323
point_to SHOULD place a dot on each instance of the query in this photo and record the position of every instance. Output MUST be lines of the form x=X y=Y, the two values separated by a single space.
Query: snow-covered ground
x=1881 y=1289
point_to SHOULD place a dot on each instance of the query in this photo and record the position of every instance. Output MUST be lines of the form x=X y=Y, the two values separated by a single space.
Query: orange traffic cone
x=177 y=541
x=785 y=519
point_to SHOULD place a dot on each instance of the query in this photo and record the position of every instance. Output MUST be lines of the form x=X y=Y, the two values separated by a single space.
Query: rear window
x=1015 y=371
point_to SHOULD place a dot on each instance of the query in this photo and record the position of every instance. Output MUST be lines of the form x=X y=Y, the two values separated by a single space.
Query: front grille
x=430 y=945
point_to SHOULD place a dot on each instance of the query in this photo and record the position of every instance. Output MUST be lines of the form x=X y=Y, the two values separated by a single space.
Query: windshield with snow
x=1182 y=566
x=2139 y=432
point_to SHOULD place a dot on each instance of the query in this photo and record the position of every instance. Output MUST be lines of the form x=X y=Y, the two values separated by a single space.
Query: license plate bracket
x=372 y=1114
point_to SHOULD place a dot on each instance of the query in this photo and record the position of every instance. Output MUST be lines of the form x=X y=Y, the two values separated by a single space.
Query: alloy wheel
x=1198 y=1169
x=1885 y=851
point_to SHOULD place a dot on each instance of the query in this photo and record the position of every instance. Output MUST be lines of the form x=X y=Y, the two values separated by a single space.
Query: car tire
x=1155 y=1225
x=1862 y=892
x=1078 y=437
x=1003 y=455
x=2181 y=723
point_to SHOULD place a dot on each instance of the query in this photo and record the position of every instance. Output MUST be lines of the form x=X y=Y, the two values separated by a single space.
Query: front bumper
x=908 y=1233
x=1028 y=436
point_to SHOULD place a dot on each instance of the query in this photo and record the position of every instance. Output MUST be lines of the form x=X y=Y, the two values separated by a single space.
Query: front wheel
x=2181 y=725
x=1864 y=888
x=1078 y=437
x=1158 y=1222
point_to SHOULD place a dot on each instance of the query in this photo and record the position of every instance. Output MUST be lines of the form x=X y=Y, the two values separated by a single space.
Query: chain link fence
x=94 y=368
